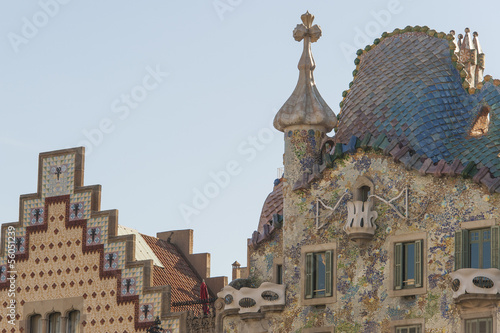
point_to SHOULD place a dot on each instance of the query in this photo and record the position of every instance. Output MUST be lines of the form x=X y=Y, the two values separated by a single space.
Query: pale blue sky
x=231 y=64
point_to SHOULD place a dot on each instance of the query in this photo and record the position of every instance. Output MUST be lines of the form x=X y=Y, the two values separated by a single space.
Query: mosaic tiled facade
x=65 y=254
x=386 y=202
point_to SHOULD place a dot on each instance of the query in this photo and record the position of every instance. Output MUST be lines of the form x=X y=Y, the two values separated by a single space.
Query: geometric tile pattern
x=62 y=251
x=100 y=224
x=135 y=274
x=58 y=175
x=118 y=251
x=407 y=88
x=83 y=199
x=171 y=325
x=30 y=213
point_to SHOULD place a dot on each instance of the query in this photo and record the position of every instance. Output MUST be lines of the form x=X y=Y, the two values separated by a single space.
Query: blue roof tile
x=409 y=90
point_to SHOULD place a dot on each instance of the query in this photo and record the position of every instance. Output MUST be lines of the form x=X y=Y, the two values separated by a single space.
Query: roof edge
x=401 y=153
x=430 y=32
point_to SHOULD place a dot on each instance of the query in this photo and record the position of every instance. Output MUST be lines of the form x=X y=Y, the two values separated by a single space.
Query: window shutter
x=398 y=267
x=309 y=275
x=495 y=247
x=458 y=250
x=461 y=249
x=328 y=273
x=465 y=249
x=418 y=263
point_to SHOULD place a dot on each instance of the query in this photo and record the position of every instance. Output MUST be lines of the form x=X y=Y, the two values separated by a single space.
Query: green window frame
x=319 y=274
x=477 y=248
x=408 y=265
x=409 y=329
x=479 y=325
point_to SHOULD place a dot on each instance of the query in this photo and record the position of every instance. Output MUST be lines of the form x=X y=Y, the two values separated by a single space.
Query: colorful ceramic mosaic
x=364 y=304
x=415 y=107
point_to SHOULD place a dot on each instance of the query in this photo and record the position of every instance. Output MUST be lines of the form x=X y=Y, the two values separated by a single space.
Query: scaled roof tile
x=408 y=82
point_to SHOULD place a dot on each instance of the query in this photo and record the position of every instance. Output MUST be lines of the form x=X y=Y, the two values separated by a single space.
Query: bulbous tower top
x=306 y=106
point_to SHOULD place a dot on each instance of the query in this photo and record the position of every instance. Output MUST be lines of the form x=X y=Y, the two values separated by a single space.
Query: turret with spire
x=305 y=118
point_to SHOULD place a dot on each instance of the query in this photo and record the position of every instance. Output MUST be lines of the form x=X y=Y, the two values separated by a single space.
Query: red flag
x=204 y=297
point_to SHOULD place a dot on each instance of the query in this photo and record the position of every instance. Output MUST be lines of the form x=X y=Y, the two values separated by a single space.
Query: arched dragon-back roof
x=409 y=87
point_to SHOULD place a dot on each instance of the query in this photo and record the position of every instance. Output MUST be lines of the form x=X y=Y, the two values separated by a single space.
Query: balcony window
x=364 y=193
x=319 y=274
x=408 y=265
x=482 y=325
x=478 y=248
x=317 y=267
x=409 y=329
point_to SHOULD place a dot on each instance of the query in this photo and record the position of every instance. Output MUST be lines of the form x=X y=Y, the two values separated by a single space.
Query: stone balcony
x=268 y=297
x=475 y=287
x=360 y=225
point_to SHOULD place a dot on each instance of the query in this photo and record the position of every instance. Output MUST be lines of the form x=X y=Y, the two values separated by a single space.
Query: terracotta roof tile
x=272 y=205
x=177 y=273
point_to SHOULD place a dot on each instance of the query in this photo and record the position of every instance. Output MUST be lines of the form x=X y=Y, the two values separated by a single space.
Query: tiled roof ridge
x=272 y=204
x=265 y=230
x=403 y=154
x=161 y=243
x=430 y=32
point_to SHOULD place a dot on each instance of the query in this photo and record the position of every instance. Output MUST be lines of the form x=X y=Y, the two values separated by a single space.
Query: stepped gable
x=67 y=249
x=176 y=272
x=414 y=86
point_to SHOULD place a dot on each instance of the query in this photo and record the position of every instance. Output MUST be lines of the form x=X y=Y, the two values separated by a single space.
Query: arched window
x=73 y=322
x=35 y=323
x=364 y=192
x=54 y=323
x=362 y=189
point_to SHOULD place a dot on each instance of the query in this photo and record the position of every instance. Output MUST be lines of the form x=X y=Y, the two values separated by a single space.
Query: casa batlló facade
x=392 y=224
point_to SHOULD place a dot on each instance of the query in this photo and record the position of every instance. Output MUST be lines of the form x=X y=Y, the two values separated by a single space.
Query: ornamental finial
x=306 y=106
x=306 y=29
x=307 y=19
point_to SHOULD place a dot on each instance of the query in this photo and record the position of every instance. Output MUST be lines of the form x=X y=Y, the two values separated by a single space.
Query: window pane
x=73 y=322
x=279 y=269
x=55 y=323
x=483 y=325
x=409 y=278
x=486 y=254
x=36 y=324
x=319 y=288
x=474 y=255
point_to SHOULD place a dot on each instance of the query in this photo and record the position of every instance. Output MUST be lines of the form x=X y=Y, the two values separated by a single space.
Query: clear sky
x=166 y=95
